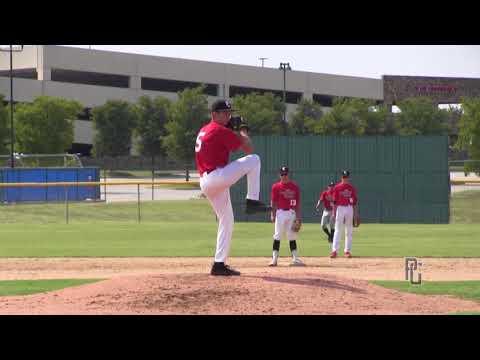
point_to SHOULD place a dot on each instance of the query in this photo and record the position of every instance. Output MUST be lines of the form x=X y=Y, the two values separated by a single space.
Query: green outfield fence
x=400 y=179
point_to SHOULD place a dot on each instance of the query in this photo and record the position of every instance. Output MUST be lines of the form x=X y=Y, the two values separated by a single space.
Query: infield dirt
x=183 y=286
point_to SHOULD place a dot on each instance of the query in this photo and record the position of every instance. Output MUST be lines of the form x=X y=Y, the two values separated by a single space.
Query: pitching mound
x=301 y=291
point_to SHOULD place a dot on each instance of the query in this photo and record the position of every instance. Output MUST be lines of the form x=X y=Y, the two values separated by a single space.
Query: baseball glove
x=237 y=123
x=356 y=221
x=356 y=217
x=297 y=225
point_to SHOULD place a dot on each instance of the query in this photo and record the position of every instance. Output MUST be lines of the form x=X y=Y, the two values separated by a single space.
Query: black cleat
x=255 y=206
x=220 y=269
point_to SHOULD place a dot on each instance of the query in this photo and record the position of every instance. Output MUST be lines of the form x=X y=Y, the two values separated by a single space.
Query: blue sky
x=371 y=61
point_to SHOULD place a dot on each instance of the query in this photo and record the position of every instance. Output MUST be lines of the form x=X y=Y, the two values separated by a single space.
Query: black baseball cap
x=222 y=105
x=284 y=170
x=332 y=183
x=345 y=173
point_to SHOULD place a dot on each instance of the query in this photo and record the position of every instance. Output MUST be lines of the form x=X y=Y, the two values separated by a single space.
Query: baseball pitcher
x=215 y=142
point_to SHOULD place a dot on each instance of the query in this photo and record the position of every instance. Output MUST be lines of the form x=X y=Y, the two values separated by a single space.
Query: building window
x=90 y=78
x=324 y=100
x=21 y=73
x=176 y=86
x=291 y=97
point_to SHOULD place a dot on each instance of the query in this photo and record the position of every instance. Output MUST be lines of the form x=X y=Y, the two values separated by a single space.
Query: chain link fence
x=138 y=167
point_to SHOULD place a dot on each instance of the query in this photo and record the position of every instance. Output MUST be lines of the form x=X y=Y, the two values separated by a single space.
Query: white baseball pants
x=343 y=220
x=216 y=187
x=327 y=219
x=283 y=224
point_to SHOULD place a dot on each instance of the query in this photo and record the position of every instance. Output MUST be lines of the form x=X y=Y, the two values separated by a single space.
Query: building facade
x=93 y=77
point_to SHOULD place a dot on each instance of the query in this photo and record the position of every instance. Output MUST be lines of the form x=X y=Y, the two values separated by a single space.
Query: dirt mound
x=302 y=291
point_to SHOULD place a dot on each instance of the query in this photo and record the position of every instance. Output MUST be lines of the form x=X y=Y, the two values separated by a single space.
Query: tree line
x=159 y=126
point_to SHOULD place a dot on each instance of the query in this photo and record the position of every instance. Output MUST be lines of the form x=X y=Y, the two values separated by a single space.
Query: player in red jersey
x=285 y=201
x=326 y=197
x=344 y=199
x=215 y=142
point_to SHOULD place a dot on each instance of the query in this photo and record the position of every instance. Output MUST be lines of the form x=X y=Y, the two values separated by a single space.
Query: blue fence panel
x=58 y=193
x=88 y=192
x=50 y=193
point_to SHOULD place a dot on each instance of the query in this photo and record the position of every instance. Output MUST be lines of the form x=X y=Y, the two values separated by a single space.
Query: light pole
x=285 y=67
x=11 y=49
x=263 y=59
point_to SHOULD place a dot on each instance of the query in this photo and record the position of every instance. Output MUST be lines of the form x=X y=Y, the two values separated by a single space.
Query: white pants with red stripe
x=216 y=187
x=343 y=220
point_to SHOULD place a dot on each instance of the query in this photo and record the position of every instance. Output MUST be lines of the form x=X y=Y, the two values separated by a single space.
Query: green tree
x=351 y=116
x=114 y=123
x=375 y=119
x=469 y=133
x=46 y=125
x=188 y=114
x=343 y=119
x=307 y=115
x=421 y=116
x=152 y=115
x=263 y=112
x=454 y=115
x=4 y=127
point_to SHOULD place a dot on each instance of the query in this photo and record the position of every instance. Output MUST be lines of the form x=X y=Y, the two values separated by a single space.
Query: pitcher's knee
x=255 y=157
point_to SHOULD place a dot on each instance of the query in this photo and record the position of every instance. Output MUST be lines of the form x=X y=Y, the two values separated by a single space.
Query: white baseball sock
x=275 y=256
x=294 y=254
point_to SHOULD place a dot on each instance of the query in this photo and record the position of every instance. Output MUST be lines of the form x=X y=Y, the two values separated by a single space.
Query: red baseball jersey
x=327 y=198
x=214 y=144
x=285 y=196
x=344 y=194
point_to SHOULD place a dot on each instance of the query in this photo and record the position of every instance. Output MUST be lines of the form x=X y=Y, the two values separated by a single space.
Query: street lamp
x=11 y=49
x=285 y=67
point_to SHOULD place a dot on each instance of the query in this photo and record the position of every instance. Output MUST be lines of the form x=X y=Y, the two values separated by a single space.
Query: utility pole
x=11 y=49
x=284 y=67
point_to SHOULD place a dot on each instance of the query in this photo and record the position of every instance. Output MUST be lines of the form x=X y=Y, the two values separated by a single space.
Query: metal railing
x=103 y=184
x=41 y=160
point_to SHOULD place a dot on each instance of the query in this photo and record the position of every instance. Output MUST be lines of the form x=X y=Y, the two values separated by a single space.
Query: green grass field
x=469 y=290
x=198 y=239
x=28 y=287
x=188 y=228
